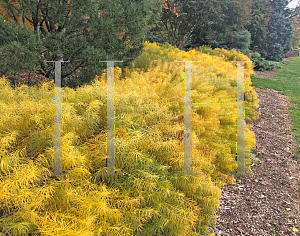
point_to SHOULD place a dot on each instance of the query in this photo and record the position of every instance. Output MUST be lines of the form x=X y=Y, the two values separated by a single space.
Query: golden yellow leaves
x=127 y=42
x=121 y=132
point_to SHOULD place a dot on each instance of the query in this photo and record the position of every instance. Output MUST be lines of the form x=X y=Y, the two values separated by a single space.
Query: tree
x=20 y=49
x=280 y=32
x=227 y=17
x=241 y=40
x=180 y=18
x=236 y=15
x=296 y=30
x=258 y=25
x=85 y=32
x=295 y=18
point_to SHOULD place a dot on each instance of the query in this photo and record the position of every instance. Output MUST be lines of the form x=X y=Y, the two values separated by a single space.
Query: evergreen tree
x=258 y=26
x=83 y=31
x=242 y=40
x=280 y=32
x=19 y=49
x=220 y=28
x=180 y=18
x=296 y=36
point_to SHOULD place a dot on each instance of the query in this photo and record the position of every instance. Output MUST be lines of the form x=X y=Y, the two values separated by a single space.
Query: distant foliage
x=149 y=199
x=261 y=63
x=237 y=39
x=242 y=40
x=280 y=32
x=258 y=26
x=82 y=31
x=295 y=42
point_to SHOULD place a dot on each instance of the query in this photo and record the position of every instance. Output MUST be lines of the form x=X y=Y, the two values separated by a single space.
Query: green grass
x=287 y=83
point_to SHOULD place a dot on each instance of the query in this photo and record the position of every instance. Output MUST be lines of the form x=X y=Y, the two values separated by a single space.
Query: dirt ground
x=268 y=202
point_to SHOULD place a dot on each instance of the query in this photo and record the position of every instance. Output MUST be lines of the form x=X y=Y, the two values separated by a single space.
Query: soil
x=268 y=202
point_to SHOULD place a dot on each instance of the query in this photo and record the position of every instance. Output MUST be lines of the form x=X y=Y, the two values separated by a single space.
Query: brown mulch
x=269 y=200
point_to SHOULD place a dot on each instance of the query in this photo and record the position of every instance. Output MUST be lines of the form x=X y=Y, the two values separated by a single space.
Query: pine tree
x=226 y=19
x=181 y=18
x=258 y=26
x=280 y=32
x=19 y=50
x=84 y=31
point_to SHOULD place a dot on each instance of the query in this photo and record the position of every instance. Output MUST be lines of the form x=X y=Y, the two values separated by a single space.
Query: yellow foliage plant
x=148 y=199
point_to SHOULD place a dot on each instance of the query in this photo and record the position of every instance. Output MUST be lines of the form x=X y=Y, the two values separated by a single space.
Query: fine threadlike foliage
x=149 y=199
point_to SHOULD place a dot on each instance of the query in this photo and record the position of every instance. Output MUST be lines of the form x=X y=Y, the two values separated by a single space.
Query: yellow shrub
x=149 y=199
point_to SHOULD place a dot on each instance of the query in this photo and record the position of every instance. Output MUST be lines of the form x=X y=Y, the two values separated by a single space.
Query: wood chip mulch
x=268 y=202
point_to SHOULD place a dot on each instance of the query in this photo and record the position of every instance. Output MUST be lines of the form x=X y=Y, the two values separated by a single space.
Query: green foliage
x=218 y=23
x=280 y=32
x=214 y=44
x=258 y=25
x=296 y=34
x=239 y=40
x=242 y=39
x=190 y=16
x=248 y=53
x=276 y=64
x=260 y=63
x=19 y=50
x=152 y=37
x=83 y=31
x=235 y=14
x=225 y=47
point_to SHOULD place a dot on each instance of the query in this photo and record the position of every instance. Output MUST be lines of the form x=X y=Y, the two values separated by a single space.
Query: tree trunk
x=180 y=43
